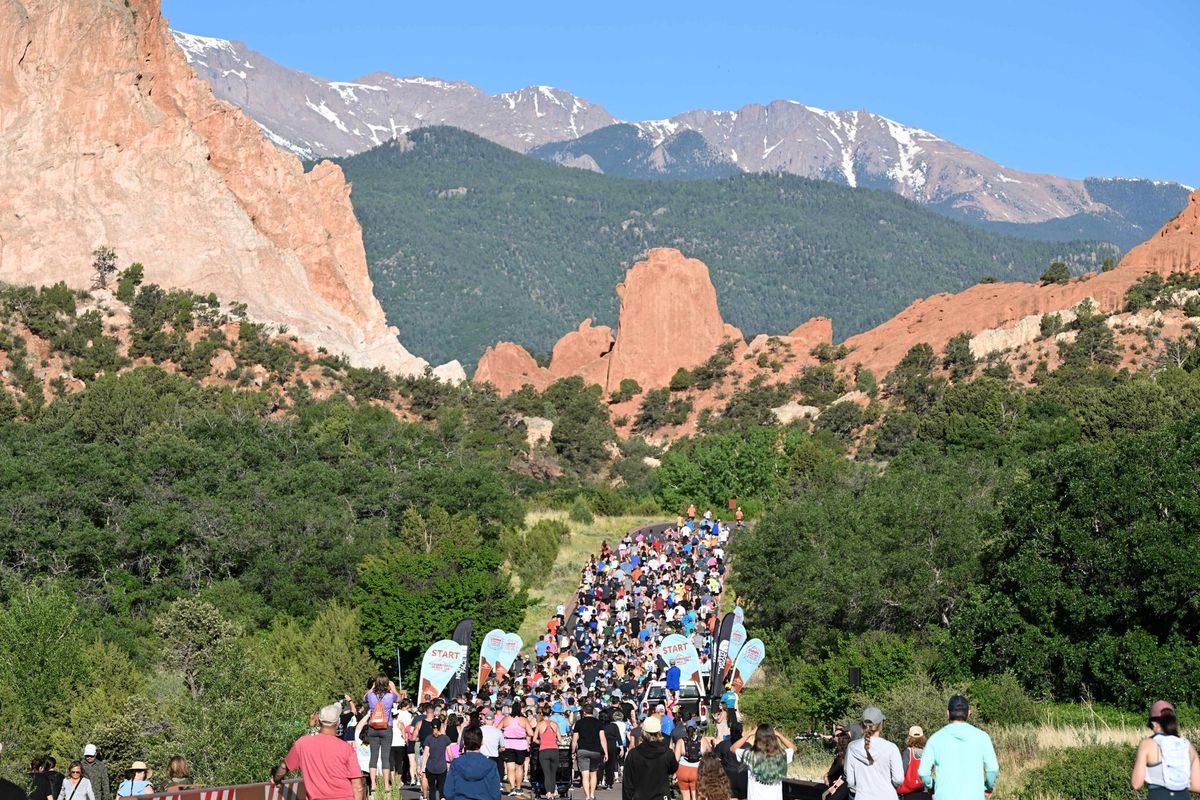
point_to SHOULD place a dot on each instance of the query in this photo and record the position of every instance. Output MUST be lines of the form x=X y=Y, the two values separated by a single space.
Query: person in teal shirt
x=959 y=762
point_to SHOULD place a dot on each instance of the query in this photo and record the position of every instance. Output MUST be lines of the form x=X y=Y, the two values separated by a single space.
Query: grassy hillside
x=469 y=243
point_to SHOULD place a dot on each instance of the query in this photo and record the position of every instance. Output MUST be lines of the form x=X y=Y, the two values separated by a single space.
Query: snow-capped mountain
x=314 y=117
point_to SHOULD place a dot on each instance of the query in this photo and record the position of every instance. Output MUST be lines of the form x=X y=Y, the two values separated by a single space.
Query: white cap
x=89 y=749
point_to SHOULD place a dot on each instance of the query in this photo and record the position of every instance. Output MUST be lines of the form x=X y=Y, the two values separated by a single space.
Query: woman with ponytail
x=873 y=764
x=1166 y=762
x=766 y=762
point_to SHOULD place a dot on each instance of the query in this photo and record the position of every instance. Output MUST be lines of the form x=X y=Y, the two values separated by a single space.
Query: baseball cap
x=660 y=709
x=872 y=716
x=1159 y=707
x=330 y=714
x=651 y=725
x=958 y=704
x=616 y=693
x=916 y=730
x=89 y=749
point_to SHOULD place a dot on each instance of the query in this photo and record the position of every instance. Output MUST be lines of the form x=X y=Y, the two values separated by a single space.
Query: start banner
x=438 y=666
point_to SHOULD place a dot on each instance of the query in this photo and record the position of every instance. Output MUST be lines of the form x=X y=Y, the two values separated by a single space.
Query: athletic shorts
x=589 y=760
x=687 y=777
x=514 y=756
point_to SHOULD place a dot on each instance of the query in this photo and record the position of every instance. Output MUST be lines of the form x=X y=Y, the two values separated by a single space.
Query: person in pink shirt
x=328 y=764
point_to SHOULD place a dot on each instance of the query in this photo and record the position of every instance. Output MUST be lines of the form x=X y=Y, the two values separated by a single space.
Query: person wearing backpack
x=1166 y=762
x=910 y=757
x=688 y=751
x=378 y=718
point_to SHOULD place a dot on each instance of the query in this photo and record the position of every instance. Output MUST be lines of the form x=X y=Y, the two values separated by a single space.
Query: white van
x=691 y=699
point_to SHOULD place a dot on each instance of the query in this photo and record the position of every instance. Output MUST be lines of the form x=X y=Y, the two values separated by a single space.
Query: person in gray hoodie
x=472 y=775
x=873 y=765
x=959 y=762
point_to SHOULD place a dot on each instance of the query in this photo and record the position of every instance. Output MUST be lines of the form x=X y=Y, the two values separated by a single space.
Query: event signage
x=508 y=654
x=747 y=663
x=737 y=639
x=441 y=661
x=489 y=655
x=721 y=660
x=678 y=651
x=462 y=635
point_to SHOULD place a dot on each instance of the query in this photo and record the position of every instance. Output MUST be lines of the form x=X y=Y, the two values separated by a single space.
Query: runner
x=327 y=764
x=959 y=762
x=1166 y=762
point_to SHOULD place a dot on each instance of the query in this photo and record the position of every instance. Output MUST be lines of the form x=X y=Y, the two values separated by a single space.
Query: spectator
x=76 y=786
x=327 y=764
x=873 y=765
x=136 y=781
x=433 y=760
x=56 y=777
x=735 y=770
x=711 y=780
x=97 y=772
x=959 y=760
x=914 y=749
x=767 y=761
x=835 y=778
x=179 y=774
x=1165 y=761
x=472 y=776
x=649 y=766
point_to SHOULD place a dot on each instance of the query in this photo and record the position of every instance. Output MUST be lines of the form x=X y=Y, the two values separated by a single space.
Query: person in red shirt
x=328 y=764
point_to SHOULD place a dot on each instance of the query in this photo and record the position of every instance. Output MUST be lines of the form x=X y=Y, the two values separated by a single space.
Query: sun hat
x=651 y=724
x=137 y=766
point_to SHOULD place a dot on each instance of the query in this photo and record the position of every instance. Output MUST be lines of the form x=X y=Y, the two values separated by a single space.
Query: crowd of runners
x=594 y=707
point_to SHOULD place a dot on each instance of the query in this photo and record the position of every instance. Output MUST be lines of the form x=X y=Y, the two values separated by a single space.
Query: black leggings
x=609 y=771
x=437 y=785
x=400 y=763
x=548 y=758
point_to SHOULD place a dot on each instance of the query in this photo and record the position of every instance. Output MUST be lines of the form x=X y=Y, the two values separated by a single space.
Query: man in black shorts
x=589 y=747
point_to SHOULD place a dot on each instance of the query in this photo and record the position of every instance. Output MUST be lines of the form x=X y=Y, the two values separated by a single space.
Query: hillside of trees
x=469 y=243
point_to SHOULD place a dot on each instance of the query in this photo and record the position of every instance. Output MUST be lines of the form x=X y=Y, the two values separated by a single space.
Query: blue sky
x=1070 y=88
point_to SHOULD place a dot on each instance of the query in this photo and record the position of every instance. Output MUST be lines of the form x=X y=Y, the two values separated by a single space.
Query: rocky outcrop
x=107 y=137
x=937 y=319
x=792 y=410
x=669 y=319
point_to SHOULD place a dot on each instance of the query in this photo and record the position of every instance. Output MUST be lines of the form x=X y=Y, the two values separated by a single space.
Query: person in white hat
x=96 y=771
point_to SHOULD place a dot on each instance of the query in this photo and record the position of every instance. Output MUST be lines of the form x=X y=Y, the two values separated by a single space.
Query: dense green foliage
x=1097 y=772
x=1036 y=535
x=469 y=243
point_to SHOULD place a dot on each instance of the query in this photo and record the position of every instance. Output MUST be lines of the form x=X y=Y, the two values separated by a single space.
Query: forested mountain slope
x=468 y=243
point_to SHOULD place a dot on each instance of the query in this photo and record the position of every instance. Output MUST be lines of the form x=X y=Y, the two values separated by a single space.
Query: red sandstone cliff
x=107 y=137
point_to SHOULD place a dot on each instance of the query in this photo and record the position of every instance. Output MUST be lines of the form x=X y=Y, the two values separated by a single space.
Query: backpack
x=379 y=720
x=912 y=781
x=691 y=749
x=1175 y=758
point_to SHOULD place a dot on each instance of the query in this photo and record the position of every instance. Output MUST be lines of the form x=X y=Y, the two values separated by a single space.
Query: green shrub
x=1097 y=772
x=1001 y=700
x=580 y=512
x=681 y=380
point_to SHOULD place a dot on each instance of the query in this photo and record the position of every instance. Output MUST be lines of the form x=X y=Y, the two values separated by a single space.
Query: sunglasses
x=76 y=772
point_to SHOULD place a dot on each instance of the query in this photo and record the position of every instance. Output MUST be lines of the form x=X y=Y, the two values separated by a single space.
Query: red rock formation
x=582 y=352
x=669 y=319
x=937 y=319
x=508 y=367
x=108 y=138
x=818 y=330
